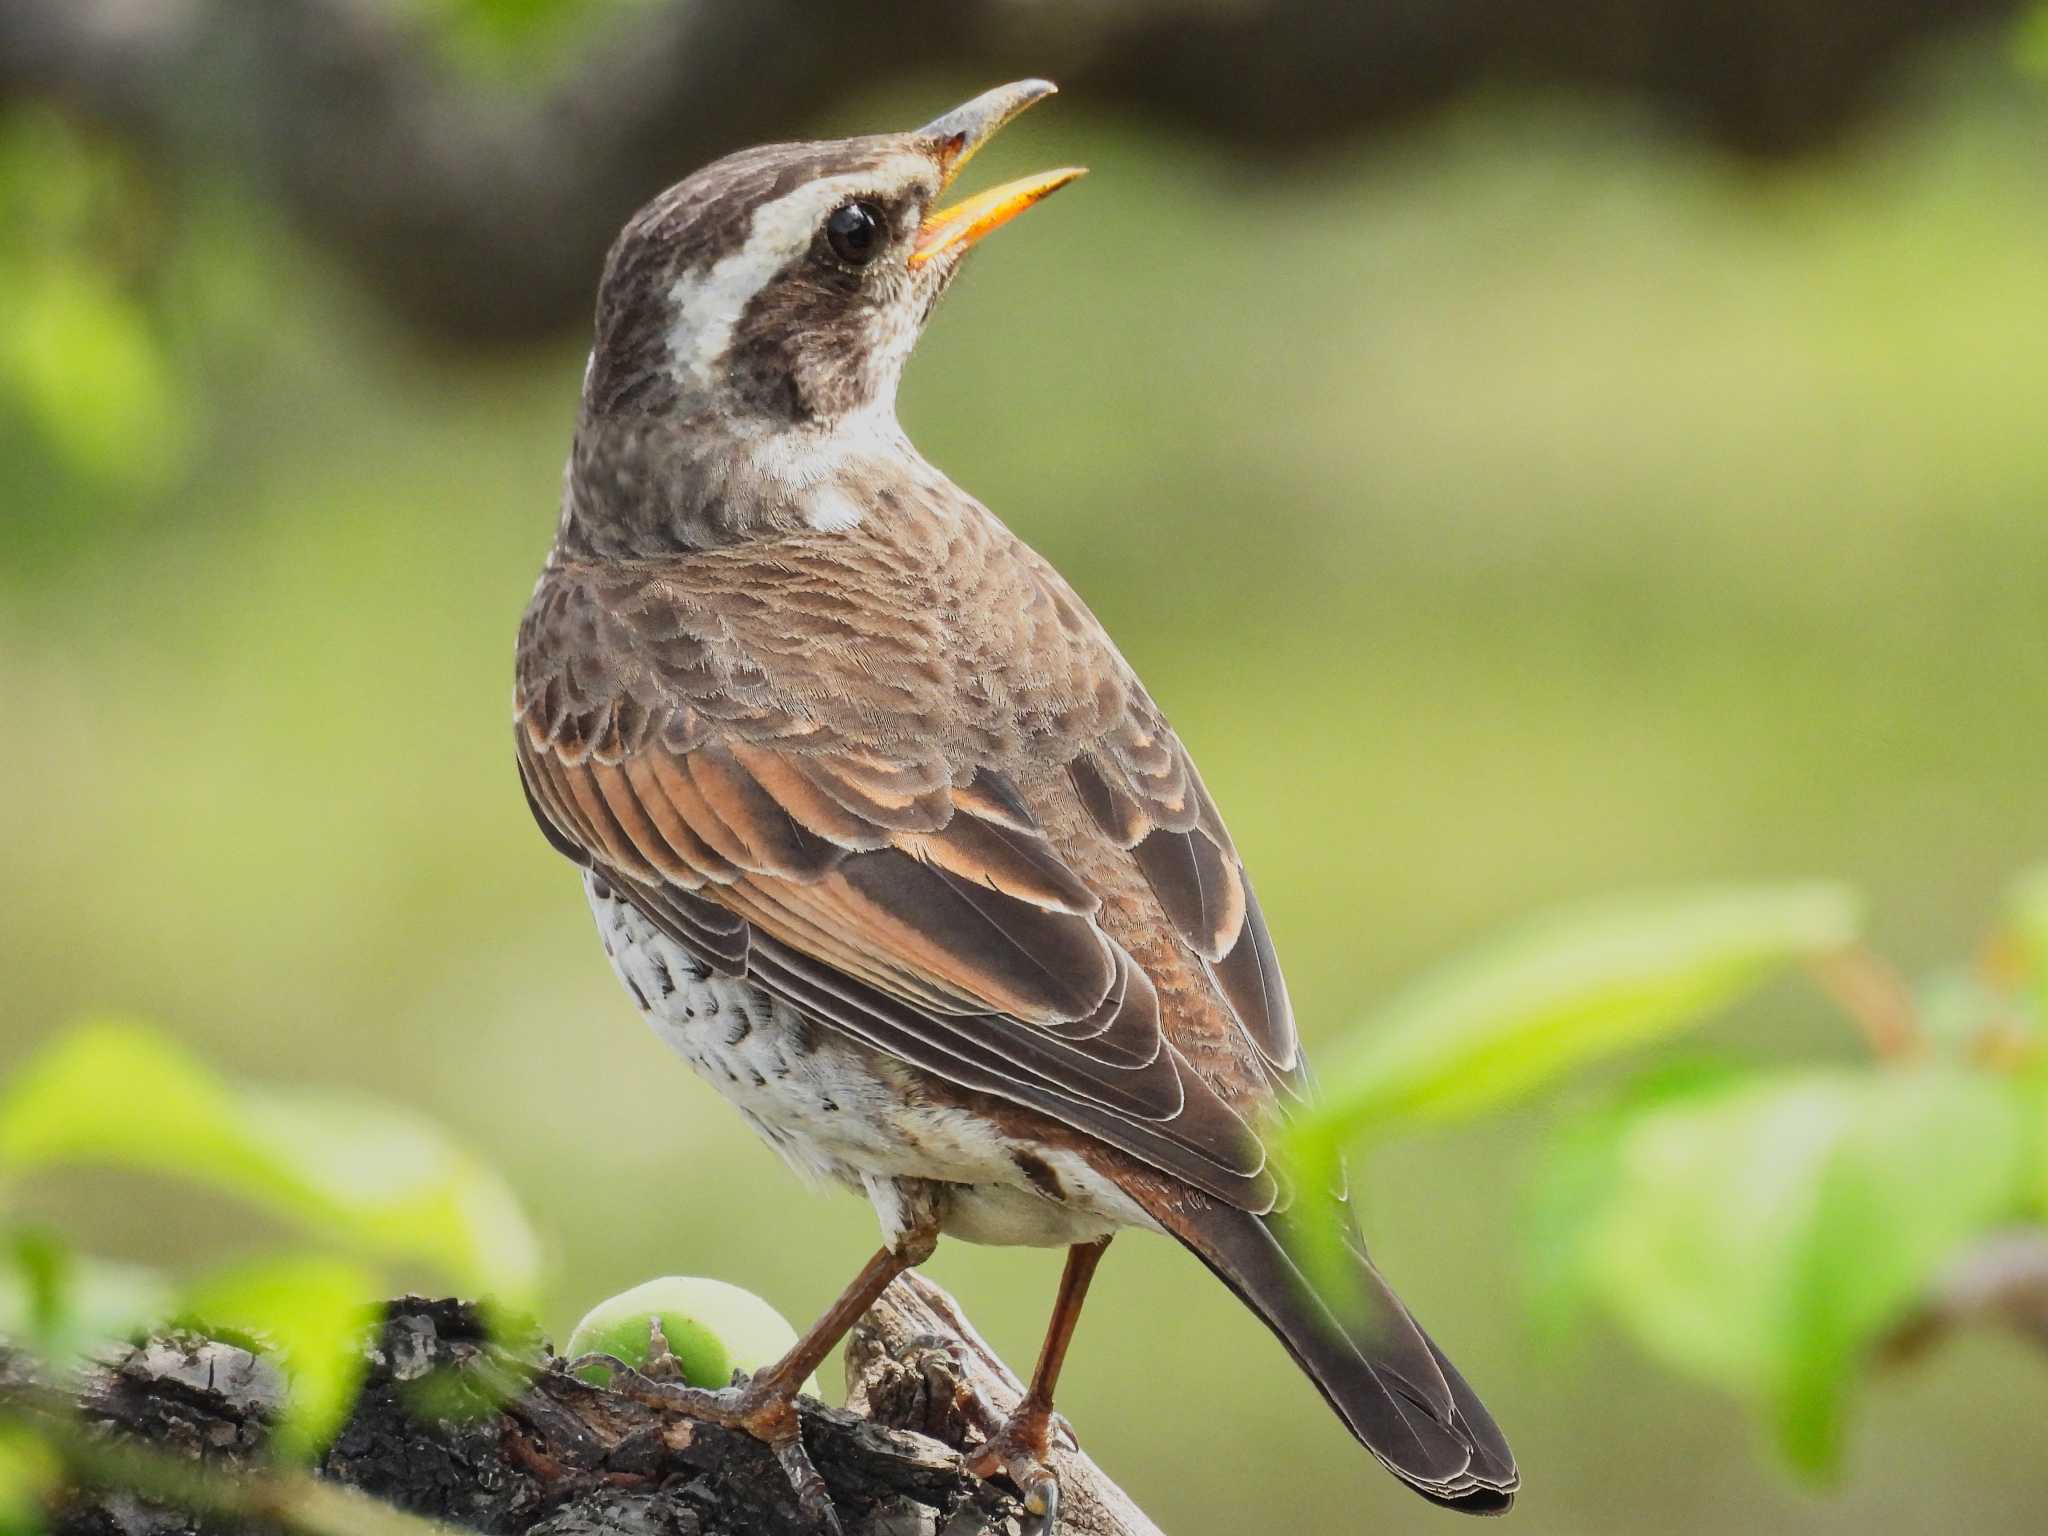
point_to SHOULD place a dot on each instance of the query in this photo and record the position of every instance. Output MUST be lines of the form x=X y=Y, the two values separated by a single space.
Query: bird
x=884 y=835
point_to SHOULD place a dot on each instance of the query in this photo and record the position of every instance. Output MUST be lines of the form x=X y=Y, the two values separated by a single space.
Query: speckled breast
x=842 y=1112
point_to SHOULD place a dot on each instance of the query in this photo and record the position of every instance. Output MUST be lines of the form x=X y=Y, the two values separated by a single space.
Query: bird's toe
x=1020 y=1451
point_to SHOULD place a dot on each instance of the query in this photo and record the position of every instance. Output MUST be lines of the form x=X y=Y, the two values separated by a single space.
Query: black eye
x=855 y=233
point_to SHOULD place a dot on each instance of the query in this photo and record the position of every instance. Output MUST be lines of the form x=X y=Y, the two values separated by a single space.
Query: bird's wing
x=915 y=904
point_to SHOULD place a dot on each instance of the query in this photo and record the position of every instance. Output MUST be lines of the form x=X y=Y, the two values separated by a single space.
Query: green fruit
x=712 y=1328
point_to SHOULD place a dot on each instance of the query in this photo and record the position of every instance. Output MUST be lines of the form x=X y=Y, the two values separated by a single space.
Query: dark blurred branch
x=481 y=215
x=454 y=1426
x=2000 y=1282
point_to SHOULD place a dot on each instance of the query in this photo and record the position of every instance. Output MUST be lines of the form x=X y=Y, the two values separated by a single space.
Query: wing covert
x=919 y=907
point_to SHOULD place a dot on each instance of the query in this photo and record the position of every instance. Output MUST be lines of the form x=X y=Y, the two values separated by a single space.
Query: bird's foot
x=1021 y=1450
x=762 y=1408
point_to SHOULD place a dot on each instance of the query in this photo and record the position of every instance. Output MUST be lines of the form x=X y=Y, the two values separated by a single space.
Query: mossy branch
x=456 y=1428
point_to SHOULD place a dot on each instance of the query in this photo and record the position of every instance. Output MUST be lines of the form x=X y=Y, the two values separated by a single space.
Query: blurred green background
x=1524 y=501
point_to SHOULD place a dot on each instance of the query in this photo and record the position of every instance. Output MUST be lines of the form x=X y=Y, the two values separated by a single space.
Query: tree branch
x=1875 y=997
x=915 y=1362
x=454 y=1427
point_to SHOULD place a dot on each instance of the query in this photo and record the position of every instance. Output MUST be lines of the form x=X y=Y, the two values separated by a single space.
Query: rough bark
x=916 y=1362
x=492 y=1435
x=480 y=214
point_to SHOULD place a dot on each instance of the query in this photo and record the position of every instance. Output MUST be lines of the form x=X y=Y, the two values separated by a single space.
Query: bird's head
x=785 y=286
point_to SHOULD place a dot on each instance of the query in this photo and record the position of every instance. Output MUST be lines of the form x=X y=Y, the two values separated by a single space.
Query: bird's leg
x=1022 y=1448
x=765 y=1407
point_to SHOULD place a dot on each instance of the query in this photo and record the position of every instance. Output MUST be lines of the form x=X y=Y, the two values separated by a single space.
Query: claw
x=1019 y=1451
x=812 y=1497
x=768 y=1417
x=774 y=1422
x=1044 y=1506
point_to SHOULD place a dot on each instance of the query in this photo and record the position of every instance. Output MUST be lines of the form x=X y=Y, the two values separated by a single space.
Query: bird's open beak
x=955 y=138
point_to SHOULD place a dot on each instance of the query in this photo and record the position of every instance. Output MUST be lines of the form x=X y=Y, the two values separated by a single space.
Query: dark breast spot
x=1039 y=1172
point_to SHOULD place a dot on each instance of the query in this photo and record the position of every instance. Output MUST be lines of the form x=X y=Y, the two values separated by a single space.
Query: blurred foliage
x=1763 y=1229
x=2028 y=932
x=83 y=366
x=344 y=1169
x=2030 y=45
x=361 y=1181
x=124 y=296
x=125 y=301
x=516 y=39
x=1531 y=507
x=66 y=1302
x=1766 y=1236
x=312 y=1312
x=1506 y=1020
x=28 y=1470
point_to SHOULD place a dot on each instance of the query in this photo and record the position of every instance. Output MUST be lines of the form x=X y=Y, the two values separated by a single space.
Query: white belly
x=838 y=1110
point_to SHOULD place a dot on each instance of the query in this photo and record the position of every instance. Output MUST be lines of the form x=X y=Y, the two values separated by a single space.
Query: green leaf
x=1501 y=1022
x=41 y=1274
x=79 y=358
x=349 y=1171
x=500 y=37
x=1764 y=1238
x=61 y=1304
x=310 y=1310
x=1575 y=1178
x=29 y=1473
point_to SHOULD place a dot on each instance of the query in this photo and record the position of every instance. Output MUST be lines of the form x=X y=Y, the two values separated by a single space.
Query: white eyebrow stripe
x=708 y=306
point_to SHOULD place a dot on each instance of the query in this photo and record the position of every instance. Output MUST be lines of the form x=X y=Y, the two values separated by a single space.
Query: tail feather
x=1385 y=1377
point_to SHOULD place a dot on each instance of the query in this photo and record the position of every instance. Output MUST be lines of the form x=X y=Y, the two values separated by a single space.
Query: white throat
x=817 y=464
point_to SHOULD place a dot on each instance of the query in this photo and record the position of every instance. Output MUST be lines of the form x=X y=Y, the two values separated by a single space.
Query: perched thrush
x=882 y=833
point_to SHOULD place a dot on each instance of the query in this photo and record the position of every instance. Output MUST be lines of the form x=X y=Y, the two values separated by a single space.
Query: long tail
x=1388 y=1381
